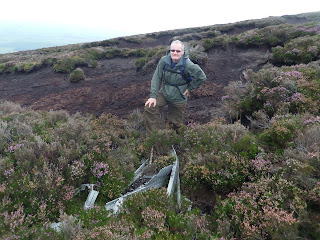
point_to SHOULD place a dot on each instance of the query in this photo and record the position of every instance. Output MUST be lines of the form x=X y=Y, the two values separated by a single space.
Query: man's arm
x=156 y=79
x=198 y=76
x=155 y=84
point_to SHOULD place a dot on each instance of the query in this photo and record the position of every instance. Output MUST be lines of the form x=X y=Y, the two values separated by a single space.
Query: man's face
x=176 y=52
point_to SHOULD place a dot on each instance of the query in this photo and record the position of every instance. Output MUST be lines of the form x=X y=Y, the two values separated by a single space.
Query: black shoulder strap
x=188 y=79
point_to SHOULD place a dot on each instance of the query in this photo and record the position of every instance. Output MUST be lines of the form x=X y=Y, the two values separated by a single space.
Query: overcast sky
x=143 y=16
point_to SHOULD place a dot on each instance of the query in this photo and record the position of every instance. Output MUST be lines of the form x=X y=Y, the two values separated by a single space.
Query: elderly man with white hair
x=178 y=75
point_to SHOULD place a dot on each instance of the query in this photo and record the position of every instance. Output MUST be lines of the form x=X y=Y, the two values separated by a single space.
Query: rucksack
x=187 y=78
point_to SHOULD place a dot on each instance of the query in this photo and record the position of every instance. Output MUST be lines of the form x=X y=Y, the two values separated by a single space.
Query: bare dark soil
x=116 y=87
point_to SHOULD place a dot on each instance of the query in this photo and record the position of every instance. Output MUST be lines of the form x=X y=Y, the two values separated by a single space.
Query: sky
x=145 y=16
x=129 y=17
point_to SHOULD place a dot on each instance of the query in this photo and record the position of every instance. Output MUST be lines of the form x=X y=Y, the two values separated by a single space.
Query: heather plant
x=220 y=155
x=135 y=123
x=273 y=91
x=217 y=41
x=299 y=50
x=260 y=210
x=150 y=58
x=222 y=173
x=77 y=75
x=250 y=38
x=107 y=175
x=45 y=157
x=153 y=215
x=141 y=62
x=135 y=40
x=217 y=136
x=95 y=53
x=276 y=35
x=27 y=67
x=163 y=161
x=282 y=130
x=265 y=178
x=197 y=54
x=67 y=64
x=261 y=35
x=21 y=67
x=236 y=91
x=162 y=141
x=301 y=160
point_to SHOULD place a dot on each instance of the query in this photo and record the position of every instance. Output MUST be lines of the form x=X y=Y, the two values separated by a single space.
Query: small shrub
x=247 y=147
x=250 y=38
x=140 y=62
x=299 y=50
x=77 y=75
x=222 y=173
x=259 y=211
x=113 y=53
x=2 y=67
x=96 y=53
x=108 y=43
x=163 y=161
x=133 y=40
x=155 y=216
x=273 y=91
x=236 y=91
x=27 y=67
x=219 y=41
x=139 y=53
x=281 y=132
x=197 y=54
x=66 y=65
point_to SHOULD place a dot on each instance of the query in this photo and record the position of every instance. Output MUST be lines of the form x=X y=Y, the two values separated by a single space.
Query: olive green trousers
x=152 y=114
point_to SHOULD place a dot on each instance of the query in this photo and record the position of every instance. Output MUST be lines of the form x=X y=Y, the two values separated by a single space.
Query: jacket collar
x=180 y=63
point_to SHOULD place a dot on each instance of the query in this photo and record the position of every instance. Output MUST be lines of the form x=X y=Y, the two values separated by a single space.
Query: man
x=179 y=76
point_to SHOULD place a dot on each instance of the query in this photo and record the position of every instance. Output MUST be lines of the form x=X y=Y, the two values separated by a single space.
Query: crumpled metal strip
x=156 y=181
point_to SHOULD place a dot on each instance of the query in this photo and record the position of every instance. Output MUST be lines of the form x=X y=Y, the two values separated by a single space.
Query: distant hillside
x=15 y=37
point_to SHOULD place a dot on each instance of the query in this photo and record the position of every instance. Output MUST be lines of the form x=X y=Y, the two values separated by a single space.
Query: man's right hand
x=151 y=101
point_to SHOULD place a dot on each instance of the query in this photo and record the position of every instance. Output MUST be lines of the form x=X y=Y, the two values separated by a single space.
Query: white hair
x=177 y=42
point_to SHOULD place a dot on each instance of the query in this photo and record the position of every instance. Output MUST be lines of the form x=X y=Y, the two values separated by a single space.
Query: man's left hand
x=186 y=92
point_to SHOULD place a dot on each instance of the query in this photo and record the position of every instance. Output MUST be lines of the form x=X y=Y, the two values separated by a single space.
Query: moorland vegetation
x=259 y=166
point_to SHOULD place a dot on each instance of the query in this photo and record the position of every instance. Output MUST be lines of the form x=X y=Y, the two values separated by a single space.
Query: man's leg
x=151 y=114
x=176 y=114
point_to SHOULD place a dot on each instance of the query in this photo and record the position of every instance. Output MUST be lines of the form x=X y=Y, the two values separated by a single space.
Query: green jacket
x=173 y=77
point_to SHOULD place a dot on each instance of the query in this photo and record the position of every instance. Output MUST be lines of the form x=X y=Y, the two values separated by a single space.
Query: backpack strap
x=187 y=78
x=165 y=66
